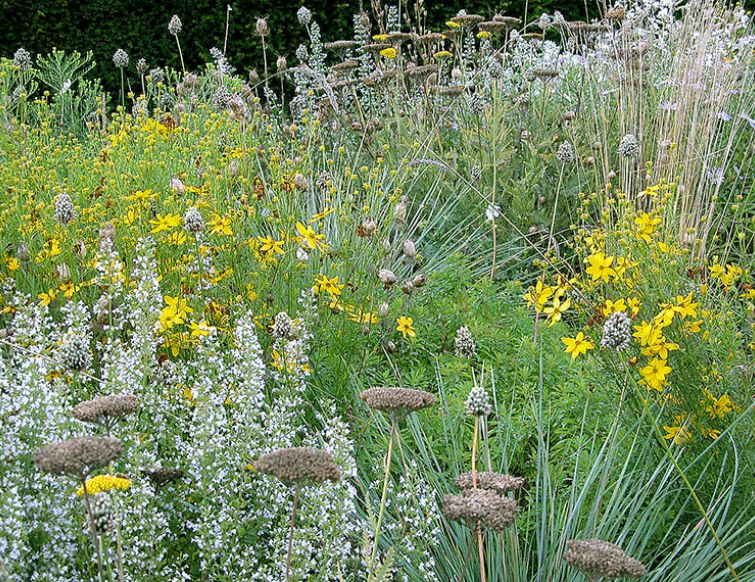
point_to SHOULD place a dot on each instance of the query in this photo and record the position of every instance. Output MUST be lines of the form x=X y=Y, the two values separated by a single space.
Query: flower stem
x=292 y=527
x=480 y=546
x=383 y=498
x=92 y=530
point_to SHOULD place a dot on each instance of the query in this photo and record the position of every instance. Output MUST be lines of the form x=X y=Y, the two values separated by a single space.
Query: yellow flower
x=556 y=310
x=452 y=24
x=600 y=267
x=200 y=329
x=220 y=225
x=711 y=433
x=718 y=407
x=174 y=313
x=660 y=347
x=679 y=434
x=538 y=296
x=311 y=238
x=684 y=306
x=483 y=34
x=406 y=326
x=442 y=54
x=271 y=246
x=614 y=306
x=578 y=345
x=13 y=264
x=654 y=374
x=693 y=326
x=389 y=53
x=68 y=289
x=646 y=226
x=46 y=298
x=331 y=286
x=634 y=305
x=365 y=317
x=102 y=483
x=167 y=222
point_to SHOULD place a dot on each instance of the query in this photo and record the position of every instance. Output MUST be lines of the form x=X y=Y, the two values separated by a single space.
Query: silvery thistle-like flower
x=477 y=403
x=566 y=153
x=120 y=59
x=63 y=208
x=22 y=59
x=175 y=25
x=629 y=147
x=617 y=332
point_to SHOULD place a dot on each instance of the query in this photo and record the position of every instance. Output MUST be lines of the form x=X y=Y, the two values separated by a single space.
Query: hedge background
x=140 y=28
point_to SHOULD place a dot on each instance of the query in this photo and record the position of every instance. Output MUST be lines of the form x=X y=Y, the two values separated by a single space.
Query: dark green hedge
x=140 y=28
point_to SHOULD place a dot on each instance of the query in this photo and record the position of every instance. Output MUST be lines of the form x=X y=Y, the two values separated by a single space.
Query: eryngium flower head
x=106 y=407
x=464 y=342
x=193 y=221
x=75 y=353
x=481 y=505
x=104 y=513
x=175 y=26
x=76 y=457
x=304 y=15
x=63 y=209
x=397 y=399
x=490 y=481
x=565 y=153
x=22 y=59
x=477 y=403
x=299 y=464
x=629 y=147
x=617 y=332
x=597 y=558
x=120 y=59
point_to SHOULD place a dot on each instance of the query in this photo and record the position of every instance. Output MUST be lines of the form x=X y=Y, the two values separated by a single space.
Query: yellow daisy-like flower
x=600 y=267
x=220 y=225
x=102 y=483
x=389 y=53
x=646 y=226
x=406 y=326
x=654 y=374
x=556 y=310
x=311 y=238
x=577 y=345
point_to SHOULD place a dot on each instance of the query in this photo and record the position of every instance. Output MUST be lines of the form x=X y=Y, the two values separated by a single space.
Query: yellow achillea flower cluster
x=102 y=483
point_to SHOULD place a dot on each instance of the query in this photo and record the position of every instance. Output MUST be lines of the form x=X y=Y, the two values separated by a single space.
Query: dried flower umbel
x=480 y=505
x=490 y=480
x=464 y=343
x=163 y=475
x=397 y=400
x=120 y=59
x=77 y=457
x=629 y=147
x=106 y=410
x=617 y=332
x=477 y=403
x=600 y=559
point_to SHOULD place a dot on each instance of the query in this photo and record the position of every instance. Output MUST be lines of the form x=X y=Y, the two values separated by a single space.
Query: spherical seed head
x=629 y=147
x=106 y=407
x=141 y=67
x=491 y=481
x=397 y=399
x=77 y=457
x=75 y=353
x=193 y=221
x=481 y=505
x=22 y=59
x=465 y=344
x=477 y=403
x=299 y=464
x=120 y=59
x=282 y=326
x=175 y=25
x=63 y=209
x=304 y=16
x=617 y=332
x=602 y=559
x=565 y=153
x=222 y=97
x=104 y=513
x=157 y=75
x=162 y=475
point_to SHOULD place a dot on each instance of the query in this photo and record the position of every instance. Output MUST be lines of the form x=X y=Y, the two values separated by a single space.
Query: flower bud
x=261 y=27
x=281 y=64
x=387 y=277
x=419 y=281
x=177 y=186
x=62 y=272
x=301 y=182
x=384 y=309
x=369 y=226
x=409 y=249
x=407 y=286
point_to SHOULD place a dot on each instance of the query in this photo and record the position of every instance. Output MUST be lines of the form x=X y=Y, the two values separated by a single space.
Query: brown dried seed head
x=77 y=457
x=475 y=505
x=104 y=407
x=490 y=481
x=602 y=559
x=162 y=475
x=397 y=399
x=297 y=464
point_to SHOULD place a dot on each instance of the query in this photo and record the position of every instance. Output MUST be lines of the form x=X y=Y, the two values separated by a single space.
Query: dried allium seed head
x=22 y=59
x=282 y=326
x=597 y=558
x=617 y=332
x=387 y=277
x=304 y=16
x=261 y=28
x=477 y=403
x=299 y=464
x=629 y=147
x=106 y=407
x=76 y=457
x=104 y=513
x=397 y=399
x=193 y=221
x=566 y=153
x=419 y=281
x=410 y=250
x=464 y=342
x=141 y=67
x=63 y=209
x=120 y=59
x=175 y=25
x=162 y=475
x=75 y=354
x=480 y=505
x=491 y=481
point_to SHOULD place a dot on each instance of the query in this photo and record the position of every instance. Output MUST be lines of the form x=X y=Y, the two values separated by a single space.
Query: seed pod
x=177 y=186
x=281 y=64
x=261 y=28
x=387 y=277
x=420 y=280
x=301 y=182
x=409 y=249
x=407 y=286
x=384 y=309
